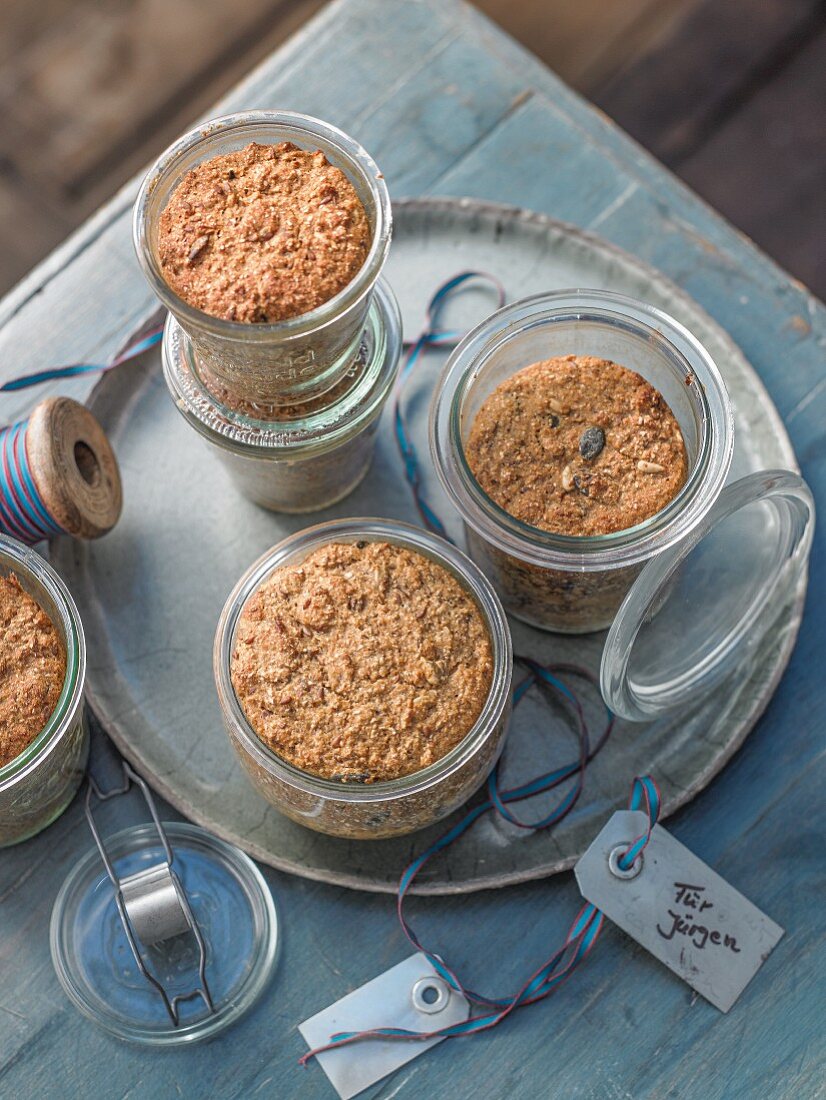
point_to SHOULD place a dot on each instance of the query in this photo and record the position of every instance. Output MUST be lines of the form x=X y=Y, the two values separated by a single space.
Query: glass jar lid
x=234 y=911
x=315 y=425
x=701 y=608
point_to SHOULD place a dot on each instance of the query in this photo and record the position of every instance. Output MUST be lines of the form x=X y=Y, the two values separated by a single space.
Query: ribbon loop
x=140 y=341
x=430 y=336
x=644 y=791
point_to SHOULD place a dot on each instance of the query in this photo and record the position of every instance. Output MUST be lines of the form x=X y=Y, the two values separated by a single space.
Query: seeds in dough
x=591 y=442
x=562 y=445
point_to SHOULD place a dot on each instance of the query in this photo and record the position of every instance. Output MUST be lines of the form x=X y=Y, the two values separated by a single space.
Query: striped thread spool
x=58 y=475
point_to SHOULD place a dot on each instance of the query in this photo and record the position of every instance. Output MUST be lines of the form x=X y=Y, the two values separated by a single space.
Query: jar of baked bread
x=44 y=741
x=579 y=434
x=363 y=669
x=263 y=233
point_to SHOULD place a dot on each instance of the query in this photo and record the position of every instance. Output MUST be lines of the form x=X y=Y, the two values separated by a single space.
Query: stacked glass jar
x=291 y=407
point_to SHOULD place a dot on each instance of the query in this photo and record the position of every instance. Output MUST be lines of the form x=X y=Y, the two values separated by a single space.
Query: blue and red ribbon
x=587 y=925
x=644 y=793
x=22 y=511
x=580 y=940
x=144 y=338
x=432 y=335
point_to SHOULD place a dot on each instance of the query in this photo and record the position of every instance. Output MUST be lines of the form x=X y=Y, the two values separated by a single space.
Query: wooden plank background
x=729 y=93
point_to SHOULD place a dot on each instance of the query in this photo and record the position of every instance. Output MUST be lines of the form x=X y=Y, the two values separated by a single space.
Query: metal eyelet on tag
x=614 y=867
x=439 y=992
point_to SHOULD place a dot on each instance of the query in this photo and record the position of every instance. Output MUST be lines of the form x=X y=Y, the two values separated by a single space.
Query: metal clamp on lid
x=152 y=902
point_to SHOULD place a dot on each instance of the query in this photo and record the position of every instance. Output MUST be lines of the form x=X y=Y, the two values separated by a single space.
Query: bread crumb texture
x=577 y=446
x=32 y=668
x=263 y=234
x=364 y=663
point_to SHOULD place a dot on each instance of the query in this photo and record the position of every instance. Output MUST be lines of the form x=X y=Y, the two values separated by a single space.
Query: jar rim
x=24 y=560
x=587 y=552
x=325 y=427
x=298 y=126
x=420 y=541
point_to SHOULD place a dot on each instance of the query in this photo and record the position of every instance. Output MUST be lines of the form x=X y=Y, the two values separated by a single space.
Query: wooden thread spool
x=74 y=468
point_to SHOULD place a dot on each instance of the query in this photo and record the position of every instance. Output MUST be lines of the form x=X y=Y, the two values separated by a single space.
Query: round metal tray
x=150 y=593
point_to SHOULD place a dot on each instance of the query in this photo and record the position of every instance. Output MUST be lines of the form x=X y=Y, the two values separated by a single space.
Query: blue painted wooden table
x=448 y=105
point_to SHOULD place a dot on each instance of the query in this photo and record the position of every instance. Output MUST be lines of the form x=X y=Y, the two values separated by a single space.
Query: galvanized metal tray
x=151 y=592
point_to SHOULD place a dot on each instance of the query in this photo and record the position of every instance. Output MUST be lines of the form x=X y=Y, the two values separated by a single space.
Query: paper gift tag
x=411 y=996
x=677 y=908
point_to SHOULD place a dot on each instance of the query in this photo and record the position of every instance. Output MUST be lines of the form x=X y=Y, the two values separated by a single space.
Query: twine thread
x=431 y=336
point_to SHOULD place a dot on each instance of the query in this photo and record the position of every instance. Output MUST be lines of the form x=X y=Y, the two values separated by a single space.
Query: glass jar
x=38 y=785
x=560 y=582
x=394 y=807
x=286 y=361
x=318 y=451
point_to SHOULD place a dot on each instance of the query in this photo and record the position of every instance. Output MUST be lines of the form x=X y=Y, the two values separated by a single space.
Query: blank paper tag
x=679 y=909
x=386 y=1001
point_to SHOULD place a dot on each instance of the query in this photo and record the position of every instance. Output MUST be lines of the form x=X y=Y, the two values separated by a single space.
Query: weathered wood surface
x=449 y=105
x=89 y=90
x=732 y=100
x=87 y=87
